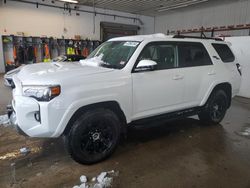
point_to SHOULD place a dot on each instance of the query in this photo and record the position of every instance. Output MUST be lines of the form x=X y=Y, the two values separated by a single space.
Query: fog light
x=37 y=116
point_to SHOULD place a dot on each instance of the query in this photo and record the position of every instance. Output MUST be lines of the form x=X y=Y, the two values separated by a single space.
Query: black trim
x=239 y=68
x=167 y=116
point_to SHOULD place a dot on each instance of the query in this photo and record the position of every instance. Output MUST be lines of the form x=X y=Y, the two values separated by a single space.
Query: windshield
x=60 y=58
x=114 y=54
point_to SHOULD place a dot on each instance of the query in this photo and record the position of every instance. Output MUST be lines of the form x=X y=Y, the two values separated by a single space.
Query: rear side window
x=193 y=54
x=224 y=52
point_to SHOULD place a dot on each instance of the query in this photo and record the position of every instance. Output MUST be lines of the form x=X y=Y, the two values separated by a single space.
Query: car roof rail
x=197 y=37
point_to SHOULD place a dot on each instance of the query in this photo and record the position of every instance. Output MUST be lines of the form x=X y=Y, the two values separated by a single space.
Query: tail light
x=239 y=68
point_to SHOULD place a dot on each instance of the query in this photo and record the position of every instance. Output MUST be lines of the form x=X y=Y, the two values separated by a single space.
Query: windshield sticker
x=131 y=44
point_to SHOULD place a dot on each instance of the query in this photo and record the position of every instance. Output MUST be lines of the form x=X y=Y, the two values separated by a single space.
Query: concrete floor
x=182 y=153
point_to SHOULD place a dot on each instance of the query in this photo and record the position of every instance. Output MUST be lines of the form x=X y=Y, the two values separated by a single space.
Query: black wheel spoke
x=97 y=138
x=86 y=146
x=94 y=136
x=214 y=114
x=218 y=108
x=105 y=142
x=218 y=114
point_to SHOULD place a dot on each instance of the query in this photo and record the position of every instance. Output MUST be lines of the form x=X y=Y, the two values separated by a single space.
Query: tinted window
x=162 y=53
x=193 y=54
x=224 y=52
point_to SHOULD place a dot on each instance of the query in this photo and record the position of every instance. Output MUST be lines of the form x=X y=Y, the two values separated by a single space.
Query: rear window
x=224 y=52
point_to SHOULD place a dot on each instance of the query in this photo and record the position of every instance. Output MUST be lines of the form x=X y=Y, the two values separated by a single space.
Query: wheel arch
x=111 y=105
x=226 y=87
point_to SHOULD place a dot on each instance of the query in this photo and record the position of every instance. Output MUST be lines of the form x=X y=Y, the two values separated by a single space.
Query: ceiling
x=144 y=7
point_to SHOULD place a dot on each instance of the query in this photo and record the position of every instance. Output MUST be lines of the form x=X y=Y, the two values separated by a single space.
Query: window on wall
x=164 y=54
x=192 y=54
x=224 y=52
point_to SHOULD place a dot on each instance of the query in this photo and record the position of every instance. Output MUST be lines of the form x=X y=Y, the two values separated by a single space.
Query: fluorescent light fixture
x=69 y=1
x=180 y=5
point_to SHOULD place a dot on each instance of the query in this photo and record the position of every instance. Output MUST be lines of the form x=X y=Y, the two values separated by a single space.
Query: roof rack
x=196 y=37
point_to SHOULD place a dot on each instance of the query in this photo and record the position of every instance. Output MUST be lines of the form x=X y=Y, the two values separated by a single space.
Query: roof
x=161 y=36
x=140 y=38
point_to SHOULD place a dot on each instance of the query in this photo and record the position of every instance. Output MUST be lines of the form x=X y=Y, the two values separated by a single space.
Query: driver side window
x=164 y=54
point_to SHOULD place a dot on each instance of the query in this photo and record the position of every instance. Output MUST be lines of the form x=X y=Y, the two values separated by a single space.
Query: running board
x=167 y=117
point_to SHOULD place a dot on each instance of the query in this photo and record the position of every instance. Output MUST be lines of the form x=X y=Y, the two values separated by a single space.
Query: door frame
x=117 y=28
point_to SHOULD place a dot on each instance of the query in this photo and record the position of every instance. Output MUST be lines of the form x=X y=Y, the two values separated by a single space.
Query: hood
x=56 y=72
x=14 y=71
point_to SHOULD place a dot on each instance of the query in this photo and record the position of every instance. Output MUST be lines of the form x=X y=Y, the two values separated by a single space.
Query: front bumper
x=13 y=121
x=36 y=119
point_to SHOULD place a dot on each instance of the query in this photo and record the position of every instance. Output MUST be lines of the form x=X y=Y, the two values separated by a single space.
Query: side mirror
x=145 y=65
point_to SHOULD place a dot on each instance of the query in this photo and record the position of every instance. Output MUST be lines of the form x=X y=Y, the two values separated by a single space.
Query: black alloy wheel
x=94 y=136
x=215 y=109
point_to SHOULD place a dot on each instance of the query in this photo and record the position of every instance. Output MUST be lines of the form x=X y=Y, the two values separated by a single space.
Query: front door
x=161 y=90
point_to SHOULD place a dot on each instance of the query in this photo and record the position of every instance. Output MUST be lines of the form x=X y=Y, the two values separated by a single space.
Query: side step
x=166 y=117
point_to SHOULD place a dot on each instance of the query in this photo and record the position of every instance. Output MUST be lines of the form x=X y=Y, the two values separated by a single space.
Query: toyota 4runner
x=125 y=81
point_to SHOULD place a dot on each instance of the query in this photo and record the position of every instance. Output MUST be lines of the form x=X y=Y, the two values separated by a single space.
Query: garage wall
x=19 y=17
x=208 y=14
x=48 y=21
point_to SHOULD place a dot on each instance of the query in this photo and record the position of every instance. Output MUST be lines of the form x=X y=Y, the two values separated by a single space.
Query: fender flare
x=226 y=86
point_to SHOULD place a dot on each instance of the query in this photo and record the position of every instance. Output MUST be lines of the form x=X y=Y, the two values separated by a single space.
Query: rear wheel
x=216 y=108
x=94 y=136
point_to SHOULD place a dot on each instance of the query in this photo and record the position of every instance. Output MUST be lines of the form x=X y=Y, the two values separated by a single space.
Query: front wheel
x=94 y=136
x=216 y=108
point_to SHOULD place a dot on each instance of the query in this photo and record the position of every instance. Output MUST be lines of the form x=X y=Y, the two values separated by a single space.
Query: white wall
x=240 y=46
x=208 y=14
x=19 y=17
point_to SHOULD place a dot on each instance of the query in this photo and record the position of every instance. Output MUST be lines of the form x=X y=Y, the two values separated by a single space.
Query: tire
x=216 y=108
x=94 y=136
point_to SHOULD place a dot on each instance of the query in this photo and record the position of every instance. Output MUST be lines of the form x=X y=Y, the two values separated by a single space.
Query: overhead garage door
x=111 y=30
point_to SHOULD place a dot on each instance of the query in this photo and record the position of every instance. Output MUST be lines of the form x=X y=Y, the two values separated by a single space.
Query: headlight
x=42 y=93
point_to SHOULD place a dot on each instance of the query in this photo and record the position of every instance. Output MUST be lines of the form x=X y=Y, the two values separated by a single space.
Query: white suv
x=125 y=81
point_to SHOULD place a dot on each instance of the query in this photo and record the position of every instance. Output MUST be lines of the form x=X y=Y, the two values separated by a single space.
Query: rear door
x=197 y=69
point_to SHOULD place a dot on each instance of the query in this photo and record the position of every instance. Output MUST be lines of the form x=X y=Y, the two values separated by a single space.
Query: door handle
x=215 y=57
x=178 y=77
